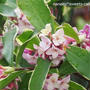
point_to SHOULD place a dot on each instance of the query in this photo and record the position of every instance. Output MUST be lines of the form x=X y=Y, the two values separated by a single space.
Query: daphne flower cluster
x=22 y=21
x=84 y=36
x=51 y=47
x=53 y=82
x=13 y=85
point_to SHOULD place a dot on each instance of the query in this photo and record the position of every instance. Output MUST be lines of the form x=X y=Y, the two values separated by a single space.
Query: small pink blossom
x=22 y=21
x=57 y=60
x=58 y=37
x=51 y=83
x=27 y=55
x=54 y=52
x=11 y=86
x=40 y=51
x=45 y=42
x=63 y=84
x=75 y=29
x=1 y=71
x=23 y=24
x=44 y=45
x=86 y=30
x=27 y=51
x=68 y=40
x=30 y=59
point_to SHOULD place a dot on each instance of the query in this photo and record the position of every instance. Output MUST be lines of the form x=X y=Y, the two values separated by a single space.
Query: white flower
x=52 y=82
x=45 y=43
x=82 y=37
x=30 y=59
x=23 y=24
x=54 y=52
x=57 y=60
x=22 y=21
x=88 y=48
x=58 y=37
x=47 y=29
x=18 y=12
x=40 y=51
x=63 y=84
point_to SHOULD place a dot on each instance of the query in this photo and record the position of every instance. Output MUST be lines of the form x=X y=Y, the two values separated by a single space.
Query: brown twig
x=26 y=68
x=30 y=68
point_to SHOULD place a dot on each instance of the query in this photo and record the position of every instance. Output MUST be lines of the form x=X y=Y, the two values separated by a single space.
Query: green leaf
x=24 y=81
x=2 y=22
x=79 y=59
x=2 y=1
x=75 y=86
x=19 y=53
x=38 y=77
x=8 y=42
x=37 y=12
x=69 y=31
x=4 y=82
x=7 y=11
x=22 y=38
x=24 y=63
x=79 y=79
x=34 y=40
x=3 y=62
x=53 y=70
x=11 y=3
x=66 y=68
x=8 y=1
